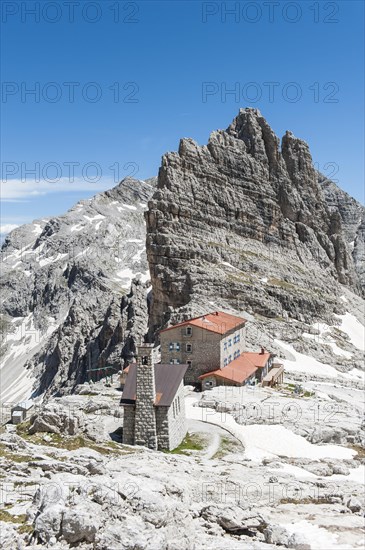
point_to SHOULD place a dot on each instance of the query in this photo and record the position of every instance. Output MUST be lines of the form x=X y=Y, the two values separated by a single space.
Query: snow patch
x=93 y=218
x=354 y=329
x=77 y=227
x=261 y=441
x=325 y=337
x=52 y=259
x=324 y=540
x=37 y=228
x=127 y=275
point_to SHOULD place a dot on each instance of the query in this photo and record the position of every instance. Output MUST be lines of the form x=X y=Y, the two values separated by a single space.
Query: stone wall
x=145 y=421
x=162 y=424
x=171 y=422
x=205 y=355
x=128 y=424
x=177 y=424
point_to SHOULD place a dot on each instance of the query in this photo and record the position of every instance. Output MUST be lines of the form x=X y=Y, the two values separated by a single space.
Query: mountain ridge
x=234 y=198
x=237 y=224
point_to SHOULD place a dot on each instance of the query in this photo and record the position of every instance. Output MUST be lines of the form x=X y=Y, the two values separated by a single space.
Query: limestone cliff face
x=352 y=218
x=74 y=288
x=247 y=222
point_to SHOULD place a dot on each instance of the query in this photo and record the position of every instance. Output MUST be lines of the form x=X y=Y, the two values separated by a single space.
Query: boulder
x=48 y=523
x=275 y=534
x=81 y=524
x=353 y=504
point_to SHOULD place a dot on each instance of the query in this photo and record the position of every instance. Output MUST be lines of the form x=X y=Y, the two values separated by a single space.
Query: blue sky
x=138 y=75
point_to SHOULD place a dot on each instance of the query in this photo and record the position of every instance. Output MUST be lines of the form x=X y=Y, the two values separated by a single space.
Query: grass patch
x=291 y=388
x=190 y=443
x=241 y=278
x=307 y=500
x=25 y=483
x=227 y=446
x=25 y=528
x=8 y=455
x=282 y=284
x=70 y=443
x=359 y=450
x=10 y=518
x=22 y=429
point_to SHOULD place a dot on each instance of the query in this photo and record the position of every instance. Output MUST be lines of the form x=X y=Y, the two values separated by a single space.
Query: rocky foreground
x=67 y=481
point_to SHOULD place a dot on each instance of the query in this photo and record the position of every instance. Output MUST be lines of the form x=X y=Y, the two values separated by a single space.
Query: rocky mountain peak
x=239 y=210
x=260 y=140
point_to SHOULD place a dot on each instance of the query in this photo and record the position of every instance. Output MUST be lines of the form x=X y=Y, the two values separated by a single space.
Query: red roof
x=218 y=322
x=255 y=358
x=241 y=368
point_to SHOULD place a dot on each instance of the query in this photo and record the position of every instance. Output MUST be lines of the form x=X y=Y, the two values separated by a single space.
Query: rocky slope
x=68 y=485
x=243 y=221
x=352 y=216
x=74 y=289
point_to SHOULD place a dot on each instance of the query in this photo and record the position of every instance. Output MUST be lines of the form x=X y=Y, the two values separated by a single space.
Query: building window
x=174 y=346
x=189 y=363
x=225 y=362
x=174 y=361
x=189 y=348
x=208 y=383
x=189 y=331
x=230 y=342
x=229 y=358
x=225 y=346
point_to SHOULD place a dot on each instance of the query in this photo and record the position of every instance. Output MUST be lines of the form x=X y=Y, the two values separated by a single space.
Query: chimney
x=262 y=350
x=145 y=432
